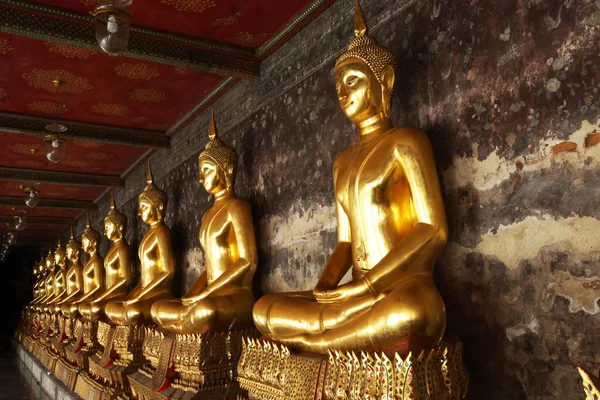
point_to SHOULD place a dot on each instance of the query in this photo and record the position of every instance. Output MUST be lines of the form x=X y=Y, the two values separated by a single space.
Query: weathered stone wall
x=508 y=93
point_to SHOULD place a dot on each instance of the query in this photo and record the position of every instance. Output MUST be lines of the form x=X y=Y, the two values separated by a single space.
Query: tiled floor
x=16 y=382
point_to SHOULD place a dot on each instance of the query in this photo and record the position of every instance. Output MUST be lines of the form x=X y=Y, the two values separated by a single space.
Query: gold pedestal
x=85 y=345
x=67 y=373
x=269 y=371
x=591 y=384
x=190 y=366
x=108 y=370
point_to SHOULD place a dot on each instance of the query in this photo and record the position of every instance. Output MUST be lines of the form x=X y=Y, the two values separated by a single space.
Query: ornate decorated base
x=67 y=373
x=108 y=369
x=190 y=366
x=269 y=371
x=84 y=346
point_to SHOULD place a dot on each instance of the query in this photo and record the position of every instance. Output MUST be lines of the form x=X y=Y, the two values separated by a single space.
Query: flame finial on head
x=114 y=216
x=154 y=195
x=90 y=233
x=367 y=49
x=73 y=243
x=220 y=153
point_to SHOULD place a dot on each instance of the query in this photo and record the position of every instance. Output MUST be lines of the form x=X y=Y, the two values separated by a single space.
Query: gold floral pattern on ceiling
x=3 y=93
x=136 y=71
x=147 y=96
x=88 y=145
x=5 y=47
x=71 y=190
x=139 y=119
x=75 y=163
x=110 y=109
x=226 y=21
x=47 y=107
x=100 y=156
x=157 y=126
x=182 y=71
x=89 y=2
x=29 y=164
x=69 y=51
x=42 y=79
x=191 y=5
x=24 y=148
x=246 y=39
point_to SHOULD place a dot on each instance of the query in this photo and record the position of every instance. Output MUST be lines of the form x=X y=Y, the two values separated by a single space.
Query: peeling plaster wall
x=508 y=93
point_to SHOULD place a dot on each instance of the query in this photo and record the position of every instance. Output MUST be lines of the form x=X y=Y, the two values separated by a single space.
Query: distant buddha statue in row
x=221 y=298
x=157 y=261
x=117 y=266
x=48 y=283
x=391 y=227
x=74 y=275
x=93 y=275
x=60 y=280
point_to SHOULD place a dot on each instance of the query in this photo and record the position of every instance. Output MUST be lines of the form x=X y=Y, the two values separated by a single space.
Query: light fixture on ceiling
x=55 y=145
x=20 y=223
x=10 y=238
x=112 y=20
x=33 y=197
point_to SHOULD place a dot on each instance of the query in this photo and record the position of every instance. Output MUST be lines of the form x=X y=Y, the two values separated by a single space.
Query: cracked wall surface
x=508 y=93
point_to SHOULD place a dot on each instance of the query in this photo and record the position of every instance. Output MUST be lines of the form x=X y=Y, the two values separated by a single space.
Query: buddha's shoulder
x=410 y=137
x=236 y=205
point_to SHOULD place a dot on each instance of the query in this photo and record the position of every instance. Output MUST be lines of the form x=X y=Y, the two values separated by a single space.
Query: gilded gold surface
x=591 y=384
x=157 y=261
x=221 y=299
x=270 y=372
x=93 y=274
x=117 y=265
x=391 y=227
x=74 y=276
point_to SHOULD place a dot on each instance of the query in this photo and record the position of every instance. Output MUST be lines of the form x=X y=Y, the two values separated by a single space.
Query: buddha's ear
x=388 y=77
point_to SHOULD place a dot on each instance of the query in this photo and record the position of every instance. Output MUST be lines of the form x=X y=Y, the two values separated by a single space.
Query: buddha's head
x=217 y=164
x=73 y=248
x=152 y=203
x=89 y=238
x=59 y=255
x=36 y=269
x=49 y=261
x=115 y=223
x=365 y=75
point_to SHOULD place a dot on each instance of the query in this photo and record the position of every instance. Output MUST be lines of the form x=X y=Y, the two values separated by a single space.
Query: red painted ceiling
x=97 y=88
x=116 y=91
x=246 y=23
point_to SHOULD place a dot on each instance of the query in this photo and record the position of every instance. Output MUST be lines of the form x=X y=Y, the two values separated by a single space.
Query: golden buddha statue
x=391 y=228
x=60 y=277
x=38 y=275
x=93 y=275
x=117 y=265
x=157 y=261
x=45 y=269
x=74 y=275
x=41 y=305
x=221 y=299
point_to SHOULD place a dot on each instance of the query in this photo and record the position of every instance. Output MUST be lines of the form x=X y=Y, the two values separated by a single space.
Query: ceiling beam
x=62 y=178
x=50 y=203
x=40 y=220
x=35 y=126
x=40 y=22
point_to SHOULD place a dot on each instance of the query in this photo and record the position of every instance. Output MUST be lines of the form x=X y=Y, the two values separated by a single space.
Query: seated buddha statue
x=117 y=265
x=48 y=283
x=156 y=258
x=74 y=276
x=391 y=227
x=60 y=277
x=38 y=276
x=93 y=274
x=221 y=299
x=41 y=282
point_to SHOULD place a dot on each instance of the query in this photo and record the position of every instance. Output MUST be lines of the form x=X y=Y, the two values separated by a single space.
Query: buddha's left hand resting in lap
x=221 y=298
x=157 y=262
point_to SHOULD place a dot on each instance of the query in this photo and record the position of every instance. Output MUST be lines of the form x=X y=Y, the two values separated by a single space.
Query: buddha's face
x=49 y=262
x=359 y=91
x=111 y=231
x=59 y=258
x=87 y=244
x=211 y=176
x=147 y=211
x=72 y=253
